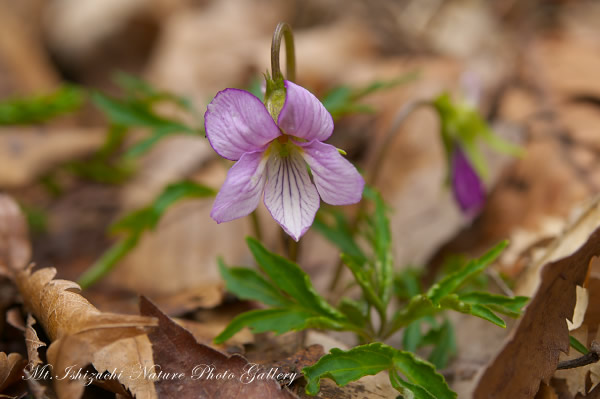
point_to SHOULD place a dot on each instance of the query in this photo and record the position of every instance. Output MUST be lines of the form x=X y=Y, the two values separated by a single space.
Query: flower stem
x=283 y=30
x=256 y=225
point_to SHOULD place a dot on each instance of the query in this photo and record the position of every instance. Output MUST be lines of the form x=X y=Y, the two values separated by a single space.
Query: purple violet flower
x=272 y=157
x=466 y=184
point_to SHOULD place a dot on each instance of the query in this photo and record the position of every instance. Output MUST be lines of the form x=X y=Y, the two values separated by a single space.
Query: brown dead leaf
x=33 y=343
x=203 y=296
x=76 y=328
x=176 y=351
x=575 y=377
x=11 y=369
x=546 y=392
x=541 y=334
x=130 y=355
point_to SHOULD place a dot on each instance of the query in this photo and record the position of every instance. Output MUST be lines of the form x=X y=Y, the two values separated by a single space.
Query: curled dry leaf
x=131 y=355
x=532 y=351
x=33 y=343
x=76 y=328
x=11 y=369
x=176 y=351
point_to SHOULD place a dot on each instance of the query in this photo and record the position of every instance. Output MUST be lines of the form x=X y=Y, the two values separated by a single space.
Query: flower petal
x=237 y=122
x=303 y=115
x=466 y=184
x=242 y=189
x=290 y=196
x=337 y=180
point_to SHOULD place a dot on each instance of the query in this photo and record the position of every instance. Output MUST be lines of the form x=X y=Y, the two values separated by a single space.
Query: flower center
x=283 y=146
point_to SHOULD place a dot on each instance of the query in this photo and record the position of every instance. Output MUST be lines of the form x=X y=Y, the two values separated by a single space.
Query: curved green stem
x=107 y=261
x=283 y=30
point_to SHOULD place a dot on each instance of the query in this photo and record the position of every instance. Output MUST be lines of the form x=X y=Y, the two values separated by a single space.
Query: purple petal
x=337 y=180
x=290 y=196
x=466 y=184
x=237 y=122
x=303 y=115
x=242 y=189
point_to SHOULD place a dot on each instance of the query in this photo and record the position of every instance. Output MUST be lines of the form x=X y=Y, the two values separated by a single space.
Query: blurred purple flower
x=467 y=186
x=272 y=157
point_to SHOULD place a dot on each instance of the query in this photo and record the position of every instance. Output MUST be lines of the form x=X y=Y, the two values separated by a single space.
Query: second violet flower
x=272 y=154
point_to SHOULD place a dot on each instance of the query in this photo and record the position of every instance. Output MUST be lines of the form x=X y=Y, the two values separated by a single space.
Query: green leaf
x=135 y=223
x=578 y=346
x=411 y=339
x=407 y=284
x=107 y=261
x=422 y=374
x=339 y=233
x=147 y=218
x=344 y=367
x=444 y=342
x=453 y=302
x=503 y=304
x=360 y=275
x=344 y=100
x=418 y=307
x=453 y=281
x=289 y=278
x=355 y=312
x=278 y=320
x=248 y=284
x=41 y=108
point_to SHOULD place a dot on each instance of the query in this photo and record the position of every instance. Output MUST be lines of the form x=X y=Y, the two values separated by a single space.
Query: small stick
x=591 y=357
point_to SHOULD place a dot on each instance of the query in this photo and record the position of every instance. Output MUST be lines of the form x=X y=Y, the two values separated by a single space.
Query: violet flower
x=466 y=184
x=272 y=157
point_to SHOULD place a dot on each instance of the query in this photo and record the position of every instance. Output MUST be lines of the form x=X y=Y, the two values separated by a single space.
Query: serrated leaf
x=291 y=279
x=360 y=275
x=482 y=311
x=418 y=307
x=346 y=366
x=453 y=281
x=248 y=284
x=423 y=374
x=502 y=304
x=278 y=320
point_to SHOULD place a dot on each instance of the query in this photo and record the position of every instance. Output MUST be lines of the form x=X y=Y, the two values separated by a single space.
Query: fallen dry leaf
x=130 y=355
x=176 y=351
x=33 y=343
x=76 y=328
x=541 y=334
x=575 y=377
x=11 y=369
